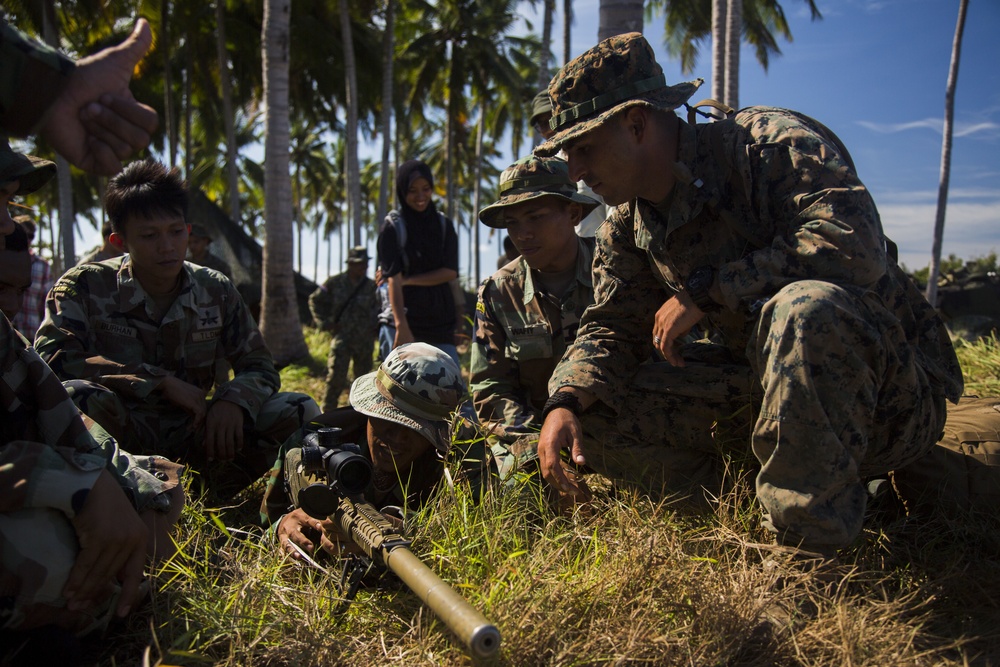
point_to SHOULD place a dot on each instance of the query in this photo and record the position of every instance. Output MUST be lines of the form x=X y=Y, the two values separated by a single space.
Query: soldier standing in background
x=33 y=303
x=106 y=250
x=198 y=242
x=345 y=305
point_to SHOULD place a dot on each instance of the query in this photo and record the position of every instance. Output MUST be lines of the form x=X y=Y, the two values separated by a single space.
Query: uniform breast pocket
x=530 y=346
x=202 y=353
x=118 y=348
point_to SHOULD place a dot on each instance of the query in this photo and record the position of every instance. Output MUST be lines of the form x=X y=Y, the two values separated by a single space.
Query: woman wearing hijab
x=419 y=268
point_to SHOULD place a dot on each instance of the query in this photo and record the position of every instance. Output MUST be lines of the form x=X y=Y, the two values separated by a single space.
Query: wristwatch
x=698 y=284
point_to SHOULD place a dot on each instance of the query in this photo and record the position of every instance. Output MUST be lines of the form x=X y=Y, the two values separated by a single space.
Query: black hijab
x=408 y=172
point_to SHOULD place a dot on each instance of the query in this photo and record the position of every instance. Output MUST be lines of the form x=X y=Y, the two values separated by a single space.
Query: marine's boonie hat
x=200 y=230
x=618 y=73
x=357 y=255
x=529 y=178
x=417 y=386
x=540 y=105
x=32 y=172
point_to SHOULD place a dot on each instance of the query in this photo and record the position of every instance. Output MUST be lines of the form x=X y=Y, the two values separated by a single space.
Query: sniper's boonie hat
x=417 y=386
x=532 y=177
x=199 y=230
x=32 y=172
x=540 y=105
x=618 y=73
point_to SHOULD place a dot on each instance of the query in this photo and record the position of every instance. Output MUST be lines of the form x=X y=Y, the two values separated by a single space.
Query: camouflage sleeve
x=319 y=306
x=821 y=220
x=615 y=333
x=32 y=76
x=33 y=474
x=64 y=341
x=504 y=411
x=254 y=376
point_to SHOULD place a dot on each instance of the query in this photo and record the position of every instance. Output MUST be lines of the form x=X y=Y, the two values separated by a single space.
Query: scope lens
x=351 y=472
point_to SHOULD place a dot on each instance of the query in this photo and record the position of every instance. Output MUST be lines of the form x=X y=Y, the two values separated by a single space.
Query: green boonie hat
x=357 y=255
x=618 y=73
x=531 y=178
x=540 y=105
x=199 y=230
x=32 y=172
x=417 y=386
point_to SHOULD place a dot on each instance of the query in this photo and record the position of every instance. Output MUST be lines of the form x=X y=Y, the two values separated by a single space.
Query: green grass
x=630 y=581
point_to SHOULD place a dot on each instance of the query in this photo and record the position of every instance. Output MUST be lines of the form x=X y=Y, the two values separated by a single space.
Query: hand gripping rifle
x=327 y=479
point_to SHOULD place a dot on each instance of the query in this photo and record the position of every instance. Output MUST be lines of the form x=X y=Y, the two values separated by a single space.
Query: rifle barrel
x=481 y=636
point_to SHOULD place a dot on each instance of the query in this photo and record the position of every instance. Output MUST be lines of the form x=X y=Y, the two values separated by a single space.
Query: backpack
x=962 y=471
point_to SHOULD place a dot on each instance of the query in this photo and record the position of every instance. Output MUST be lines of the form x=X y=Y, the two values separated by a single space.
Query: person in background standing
x=33 y=301
x=345 y=306
x=418 y=254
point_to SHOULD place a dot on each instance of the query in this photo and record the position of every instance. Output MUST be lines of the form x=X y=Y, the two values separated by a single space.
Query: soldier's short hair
x=145 y=188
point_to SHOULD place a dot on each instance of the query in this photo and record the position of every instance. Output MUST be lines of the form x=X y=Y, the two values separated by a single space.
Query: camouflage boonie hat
x=417 y=386
x=531 y=178
x=540 y=105
x=618 y=73
x=32 y=172
x=357 y=255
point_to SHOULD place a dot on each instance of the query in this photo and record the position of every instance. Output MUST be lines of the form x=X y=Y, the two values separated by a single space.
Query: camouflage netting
x=243 y=253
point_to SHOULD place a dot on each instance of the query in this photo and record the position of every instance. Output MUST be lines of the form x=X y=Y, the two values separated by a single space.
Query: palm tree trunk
x=388 y=57
x=543 y=70
x=188 y=104
x=619 y=16
x=719 y=49
x=169 y=120
x=228 y=116
x=567 y=29
x=351 y=101
x=279 y=321
x=67 y=218
x=734 y=31
x=476 y=191
x=949 y=118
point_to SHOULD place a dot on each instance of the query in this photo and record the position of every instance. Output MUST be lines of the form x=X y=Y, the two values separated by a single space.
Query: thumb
x=137 y=44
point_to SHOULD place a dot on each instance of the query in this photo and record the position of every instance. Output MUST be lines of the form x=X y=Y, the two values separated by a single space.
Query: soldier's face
x=543 y=230
x=15 y=278
x=418 y=197
x=393 y=446
x=157 y=247
x=601 y=158
x=198 y=245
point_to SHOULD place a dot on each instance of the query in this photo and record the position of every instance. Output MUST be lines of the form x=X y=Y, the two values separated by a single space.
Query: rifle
x=327 y=479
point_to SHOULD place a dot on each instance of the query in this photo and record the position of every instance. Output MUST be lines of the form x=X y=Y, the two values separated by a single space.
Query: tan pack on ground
x=962 y=471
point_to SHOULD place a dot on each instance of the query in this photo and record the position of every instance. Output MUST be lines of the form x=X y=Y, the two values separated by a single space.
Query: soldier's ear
x=117 y=240
x=575 y=213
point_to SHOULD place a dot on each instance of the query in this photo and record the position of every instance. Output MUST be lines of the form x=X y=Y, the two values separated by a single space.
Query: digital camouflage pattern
x=26 y=64
x=853 y=364
x=521 y=333
x=353 y=334
x=100 y=338
x=530 y=178
x=48 y=463
x=618 y=73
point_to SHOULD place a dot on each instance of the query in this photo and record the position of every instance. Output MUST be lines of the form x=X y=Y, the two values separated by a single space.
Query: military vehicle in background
x=968 y=296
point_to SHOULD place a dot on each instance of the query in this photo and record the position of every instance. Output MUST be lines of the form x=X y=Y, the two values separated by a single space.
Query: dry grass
x=635 y=581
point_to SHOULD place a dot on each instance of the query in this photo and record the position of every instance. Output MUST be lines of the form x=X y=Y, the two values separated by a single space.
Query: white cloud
x=971 y=229
x=960 y=129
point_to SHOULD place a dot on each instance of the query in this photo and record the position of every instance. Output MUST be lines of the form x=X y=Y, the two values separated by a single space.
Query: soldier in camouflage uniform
x=346 y=306
x=528 y=311
x=75 y=511
x=137 y=339
x=758 y=228
x=401 y=415
x=198 y=243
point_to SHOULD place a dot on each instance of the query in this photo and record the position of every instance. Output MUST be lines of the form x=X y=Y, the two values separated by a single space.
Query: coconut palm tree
x=949 y=119
x=279 y=322
x=619 y=16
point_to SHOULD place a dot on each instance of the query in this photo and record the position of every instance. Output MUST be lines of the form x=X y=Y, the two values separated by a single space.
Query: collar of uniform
x=133 y=295
x=687 y=196
x=529 y=281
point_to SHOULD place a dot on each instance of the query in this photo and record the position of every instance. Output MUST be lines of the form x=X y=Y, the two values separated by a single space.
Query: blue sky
x=875 y=71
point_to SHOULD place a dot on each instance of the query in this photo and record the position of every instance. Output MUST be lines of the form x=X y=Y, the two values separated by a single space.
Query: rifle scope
x=347 y=471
